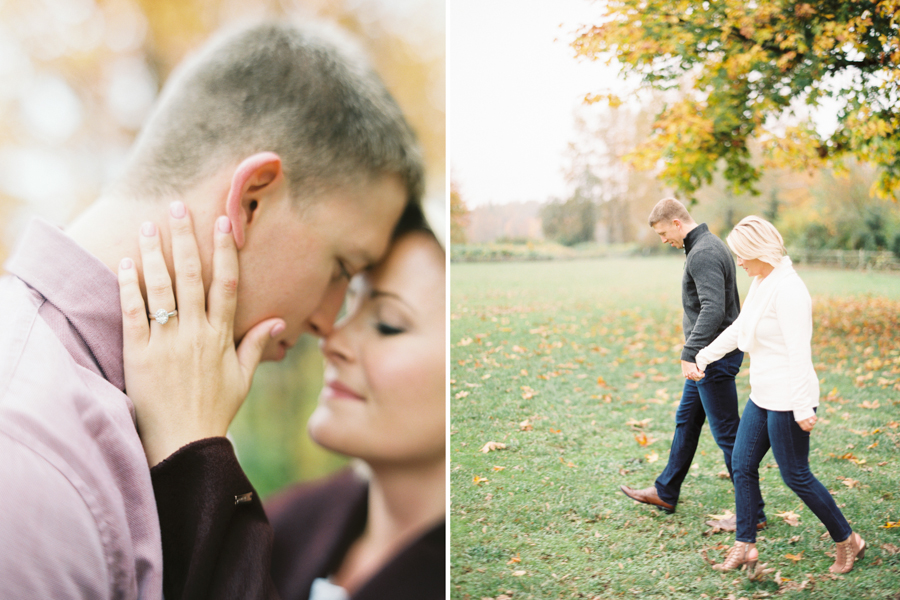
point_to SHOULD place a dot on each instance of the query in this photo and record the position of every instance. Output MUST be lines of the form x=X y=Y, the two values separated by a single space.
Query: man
x=298 y=143
x=709 y=296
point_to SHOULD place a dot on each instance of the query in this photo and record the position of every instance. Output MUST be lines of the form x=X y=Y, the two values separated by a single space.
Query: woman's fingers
x=250 y=351
x=223 y=289
x=188 y=270
x=135 y=329
x=156 y=275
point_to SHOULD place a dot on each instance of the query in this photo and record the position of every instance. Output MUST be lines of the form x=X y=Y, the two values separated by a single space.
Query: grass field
x=573 y=366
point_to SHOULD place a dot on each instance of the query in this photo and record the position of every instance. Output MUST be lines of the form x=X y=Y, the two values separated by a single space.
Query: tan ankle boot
x=846 y=553
x=739 y=555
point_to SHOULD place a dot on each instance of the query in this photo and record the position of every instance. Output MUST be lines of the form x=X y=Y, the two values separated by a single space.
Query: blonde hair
x=756 y=238
x=668 y=209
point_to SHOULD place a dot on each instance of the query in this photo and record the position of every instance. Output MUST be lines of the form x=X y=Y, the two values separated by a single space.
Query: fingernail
x=176 y=209
x=148 y=229
x=126 y=263
x=223 y=223
x=277 y=330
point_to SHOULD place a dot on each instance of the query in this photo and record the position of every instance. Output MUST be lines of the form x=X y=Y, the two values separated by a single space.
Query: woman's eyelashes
x=385 y=329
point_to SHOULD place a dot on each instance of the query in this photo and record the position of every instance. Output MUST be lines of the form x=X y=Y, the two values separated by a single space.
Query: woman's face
x=385 y=378
x=754 y=267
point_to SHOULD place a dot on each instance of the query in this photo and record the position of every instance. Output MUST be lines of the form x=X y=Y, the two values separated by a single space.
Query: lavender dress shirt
x=77 y=511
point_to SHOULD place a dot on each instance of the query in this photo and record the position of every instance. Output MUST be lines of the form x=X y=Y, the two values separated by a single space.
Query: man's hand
x=808 y=424
x=690 y=371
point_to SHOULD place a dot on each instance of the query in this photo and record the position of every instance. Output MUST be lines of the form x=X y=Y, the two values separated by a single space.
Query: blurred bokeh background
x=77 y=79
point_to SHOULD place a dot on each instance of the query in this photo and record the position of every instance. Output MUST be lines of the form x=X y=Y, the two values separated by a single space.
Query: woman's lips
x=335 y=389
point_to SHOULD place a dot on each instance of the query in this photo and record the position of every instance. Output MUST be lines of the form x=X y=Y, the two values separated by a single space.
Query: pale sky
x=513 y=87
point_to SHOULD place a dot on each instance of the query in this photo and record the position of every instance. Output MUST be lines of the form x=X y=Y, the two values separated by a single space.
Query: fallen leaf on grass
x=488 y=447
x=891 y=548
x=526 y=425
x=795 y=557
x=527 y=393
x=643 y=439
x=555 y=430
x=723 y=516
x=867 y=404
x=723 y=475
x=460 y=395
x=759 y=572
x=652 y=457
x=601 y=382
x=514 y=559
x=790 y=517
x=890 y=525
x=499 y=468
x=850 y=483
x=631 y=422
x=849 y=456
x=478 y=480
x=519 y=573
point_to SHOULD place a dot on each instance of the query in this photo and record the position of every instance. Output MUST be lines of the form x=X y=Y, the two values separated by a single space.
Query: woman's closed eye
x=385 y=329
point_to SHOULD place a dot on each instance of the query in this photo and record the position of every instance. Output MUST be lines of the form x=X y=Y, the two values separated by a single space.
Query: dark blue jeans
x=761 y=429
x=715 y=398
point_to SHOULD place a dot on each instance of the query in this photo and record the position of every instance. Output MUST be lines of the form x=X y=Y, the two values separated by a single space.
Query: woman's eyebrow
x=383 y=293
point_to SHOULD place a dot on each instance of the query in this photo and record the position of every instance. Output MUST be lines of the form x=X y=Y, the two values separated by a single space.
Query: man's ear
x=255 y=179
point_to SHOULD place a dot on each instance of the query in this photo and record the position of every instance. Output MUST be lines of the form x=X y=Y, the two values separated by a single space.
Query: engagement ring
x=162 y=317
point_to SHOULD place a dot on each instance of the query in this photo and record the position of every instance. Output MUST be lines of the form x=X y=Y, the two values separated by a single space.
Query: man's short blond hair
x=667 y=210
x=756 y=238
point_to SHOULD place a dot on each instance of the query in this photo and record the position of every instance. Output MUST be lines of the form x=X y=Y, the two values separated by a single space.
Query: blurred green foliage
x=270 y=429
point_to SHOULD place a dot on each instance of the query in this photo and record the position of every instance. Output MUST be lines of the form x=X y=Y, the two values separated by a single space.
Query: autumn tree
x=459 y=215
x=746 y=70
x=571 y=221
x=596 y=170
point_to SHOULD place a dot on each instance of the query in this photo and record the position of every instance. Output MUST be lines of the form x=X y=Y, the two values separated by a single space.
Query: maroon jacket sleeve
x=216 y=542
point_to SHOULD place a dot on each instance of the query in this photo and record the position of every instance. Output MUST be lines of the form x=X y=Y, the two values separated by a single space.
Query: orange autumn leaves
x=854 y=337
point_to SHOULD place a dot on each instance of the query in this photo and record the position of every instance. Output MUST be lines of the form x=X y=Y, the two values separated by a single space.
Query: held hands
x=808 y=424
x=185 y=377
x=690 y=371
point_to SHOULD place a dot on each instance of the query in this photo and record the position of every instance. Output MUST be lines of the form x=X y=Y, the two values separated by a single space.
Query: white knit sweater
x=775 y=329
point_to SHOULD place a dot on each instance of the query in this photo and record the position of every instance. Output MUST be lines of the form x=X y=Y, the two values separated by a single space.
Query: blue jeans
x=761 y=429
x=713 y=397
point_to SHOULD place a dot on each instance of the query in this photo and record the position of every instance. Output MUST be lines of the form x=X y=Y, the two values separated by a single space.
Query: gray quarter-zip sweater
x=709 y=291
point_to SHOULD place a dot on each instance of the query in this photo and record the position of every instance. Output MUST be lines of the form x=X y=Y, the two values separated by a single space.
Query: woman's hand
x=808 y=424
x=185 y=377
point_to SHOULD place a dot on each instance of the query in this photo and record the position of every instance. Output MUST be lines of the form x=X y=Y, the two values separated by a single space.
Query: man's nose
x=321 y=322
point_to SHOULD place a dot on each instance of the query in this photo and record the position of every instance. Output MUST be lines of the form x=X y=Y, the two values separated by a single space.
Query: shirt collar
x=693 y=235
x=81 y=287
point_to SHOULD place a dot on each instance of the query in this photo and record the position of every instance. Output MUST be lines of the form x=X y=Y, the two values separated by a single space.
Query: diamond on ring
x=162 y=315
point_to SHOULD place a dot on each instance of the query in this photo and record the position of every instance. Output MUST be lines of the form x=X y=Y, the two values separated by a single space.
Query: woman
x=376 y=531
x=775 y=328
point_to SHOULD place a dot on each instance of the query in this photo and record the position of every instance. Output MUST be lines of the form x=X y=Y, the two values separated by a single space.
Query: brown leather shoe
x=730 y=524
x=647 y=496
